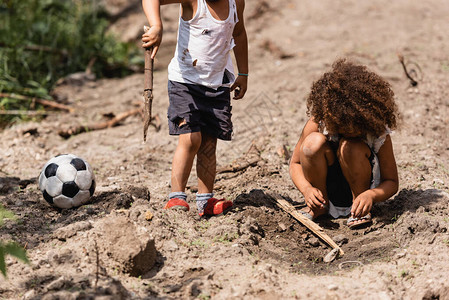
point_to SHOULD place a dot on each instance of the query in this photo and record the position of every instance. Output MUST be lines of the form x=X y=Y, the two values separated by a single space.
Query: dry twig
x=74 y=130
x=413 y=81
x=97 y=269
x=39 y=48
x=28 y=112
x=239 y=166
x=314 y=227
x=44 y=102
x=274 y=49
x=251 y=158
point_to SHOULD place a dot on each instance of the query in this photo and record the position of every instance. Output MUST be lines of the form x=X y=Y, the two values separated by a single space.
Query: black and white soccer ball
x=67 y=181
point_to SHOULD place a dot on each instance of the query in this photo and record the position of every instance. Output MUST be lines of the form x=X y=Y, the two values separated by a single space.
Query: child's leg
x=316 y=155
x=206 y=164
x=353 y=156
x=188 y=145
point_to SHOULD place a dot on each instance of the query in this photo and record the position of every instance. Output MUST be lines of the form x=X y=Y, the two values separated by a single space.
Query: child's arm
x=313 y=197
x=240 y=52
x=388 y=186
x=153 y=37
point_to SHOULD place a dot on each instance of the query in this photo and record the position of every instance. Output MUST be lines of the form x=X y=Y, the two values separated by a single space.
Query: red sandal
x=178 y=204
x=216 y=207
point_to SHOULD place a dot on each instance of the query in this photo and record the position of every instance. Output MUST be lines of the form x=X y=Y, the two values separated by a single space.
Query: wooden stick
x=148 y=88
x=413 y=82
x=314 y=227
x=74 y=130
x=39 y=48
x=28 y=112
x=238 y=167
x=44 y=102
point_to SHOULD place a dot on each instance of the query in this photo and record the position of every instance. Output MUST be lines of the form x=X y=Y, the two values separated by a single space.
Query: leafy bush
x=44 y=40
x=10 y=248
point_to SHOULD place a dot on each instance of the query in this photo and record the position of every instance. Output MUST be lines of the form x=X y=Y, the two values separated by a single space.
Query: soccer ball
x=67 y=181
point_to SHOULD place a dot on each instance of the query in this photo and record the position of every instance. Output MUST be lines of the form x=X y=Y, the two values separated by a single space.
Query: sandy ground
x=255 y=251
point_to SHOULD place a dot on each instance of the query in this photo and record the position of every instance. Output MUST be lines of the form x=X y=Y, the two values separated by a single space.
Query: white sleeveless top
x=202 y=54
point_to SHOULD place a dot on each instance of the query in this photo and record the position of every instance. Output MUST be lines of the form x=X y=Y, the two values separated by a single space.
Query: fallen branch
x=44 y=102
x=249 y=159
x=239 y=166
x=413 y=82
x=97 y=261
x=74 y=130
x=274 y=49
x=28 y=112
x=314 y=227
x=39 y=48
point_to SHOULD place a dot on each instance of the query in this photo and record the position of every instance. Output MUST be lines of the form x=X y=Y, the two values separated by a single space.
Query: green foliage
x=44 y=40
x=10 y=248
x=203 y=296
x=226 y=237
x=5 y=214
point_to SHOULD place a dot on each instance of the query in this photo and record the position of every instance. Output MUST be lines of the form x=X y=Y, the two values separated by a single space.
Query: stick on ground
x=236 y=167
x=74 y=130
x=413 y=82
x=28 y=112
x=314 y=227
x=44 y=102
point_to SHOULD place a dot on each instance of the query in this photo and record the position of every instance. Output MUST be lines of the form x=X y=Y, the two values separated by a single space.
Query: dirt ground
x=256 y=250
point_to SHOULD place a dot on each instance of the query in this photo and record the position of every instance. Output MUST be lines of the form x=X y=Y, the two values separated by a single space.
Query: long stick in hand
x=148 y=89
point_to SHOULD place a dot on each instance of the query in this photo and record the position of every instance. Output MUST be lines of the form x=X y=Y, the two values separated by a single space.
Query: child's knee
x=313 y=145
x=351 y=150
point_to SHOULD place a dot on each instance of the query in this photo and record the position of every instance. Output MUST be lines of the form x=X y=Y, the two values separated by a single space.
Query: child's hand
x=240 y=86
x=362 y=205
x=152 y=38
x=314 y=198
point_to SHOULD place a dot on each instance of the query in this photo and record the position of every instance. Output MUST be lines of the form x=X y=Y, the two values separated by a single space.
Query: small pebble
x=29 y=295
x=331 y=256
x=282 y=227
x=401 y=254
x=56 y=284
x=313 y=241
x=340 y=239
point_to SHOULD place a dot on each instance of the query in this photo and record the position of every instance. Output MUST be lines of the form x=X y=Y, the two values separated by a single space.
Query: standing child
x=201 y=79
x=344 y=161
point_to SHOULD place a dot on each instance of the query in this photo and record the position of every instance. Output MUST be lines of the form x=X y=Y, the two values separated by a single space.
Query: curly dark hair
x=350 y=96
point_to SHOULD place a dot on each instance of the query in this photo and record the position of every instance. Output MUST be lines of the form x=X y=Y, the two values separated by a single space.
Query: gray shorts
x=203 y=109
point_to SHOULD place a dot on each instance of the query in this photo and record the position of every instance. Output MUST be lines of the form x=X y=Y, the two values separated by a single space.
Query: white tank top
x=202 y=54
